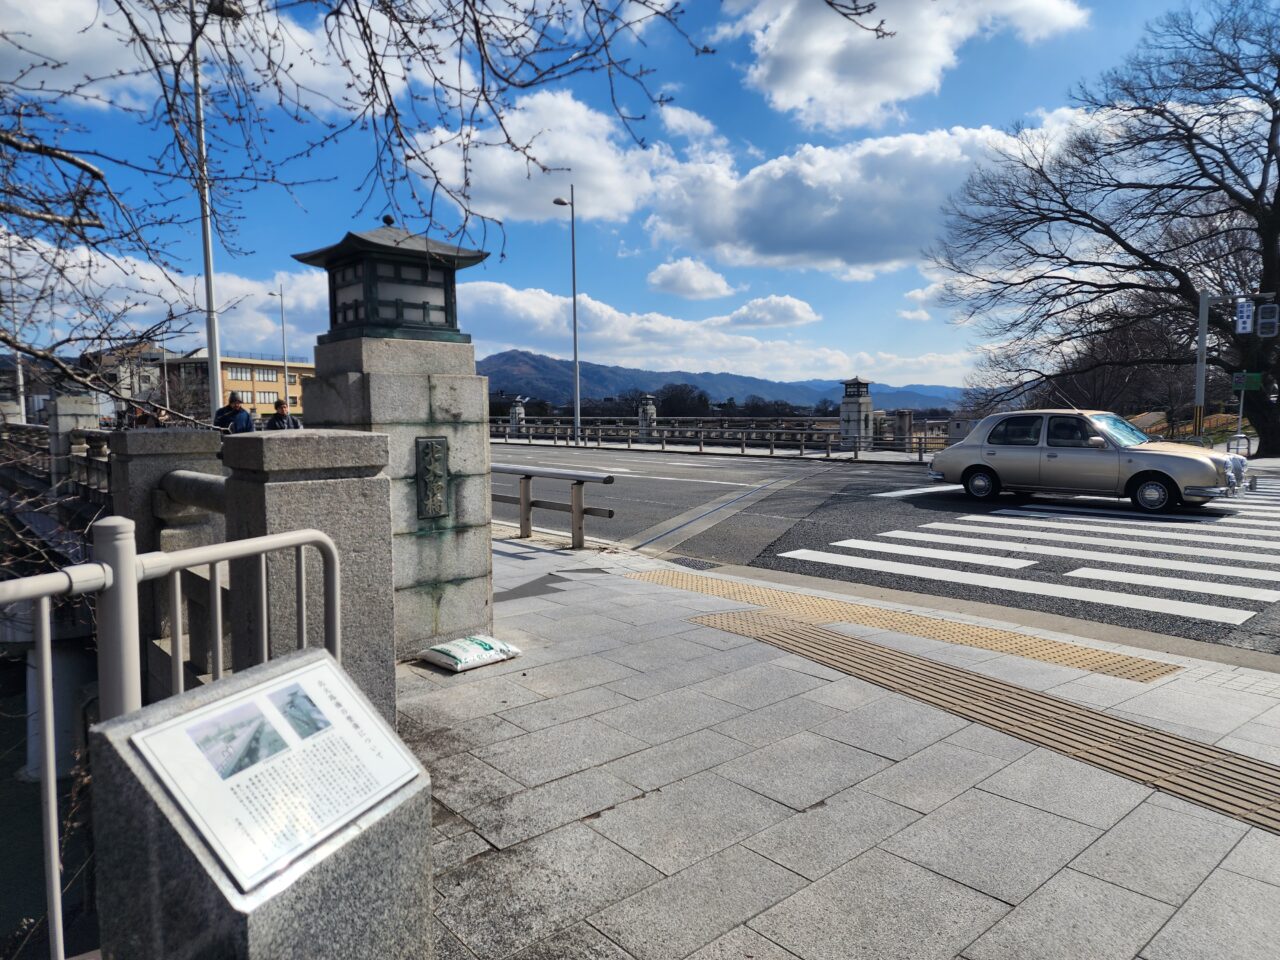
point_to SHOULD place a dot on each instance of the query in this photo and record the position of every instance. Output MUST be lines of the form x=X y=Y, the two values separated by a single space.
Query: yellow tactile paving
x=1230 y=783
x=799 y=606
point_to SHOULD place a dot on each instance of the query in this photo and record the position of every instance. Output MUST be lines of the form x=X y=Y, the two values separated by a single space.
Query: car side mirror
x=1097 y=443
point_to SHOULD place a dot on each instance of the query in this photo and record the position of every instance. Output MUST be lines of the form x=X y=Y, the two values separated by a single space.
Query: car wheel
x=1154 y=495
x=981 y=484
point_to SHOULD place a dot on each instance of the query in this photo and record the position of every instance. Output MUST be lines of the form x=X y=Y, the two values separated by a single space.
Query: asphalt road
x=1203 y=574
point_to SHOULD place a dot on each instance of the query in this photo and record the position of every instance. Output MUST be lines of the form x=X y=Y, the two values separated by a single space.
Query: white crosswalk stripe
x=1182 y=608
x=1177 y=583
x=1097 y=556
x=1220 y=566
x=1029 y=519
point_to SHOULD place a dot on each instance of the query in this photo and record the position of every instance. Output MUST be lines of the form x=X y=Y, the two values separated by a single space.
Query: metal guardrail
x=114 y=576
x=576 y=507
x=789 y=440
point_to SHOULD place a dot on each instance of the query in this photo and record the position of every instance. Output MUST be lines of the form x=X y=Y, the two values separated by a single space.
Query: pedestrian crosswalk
x=1219 y=564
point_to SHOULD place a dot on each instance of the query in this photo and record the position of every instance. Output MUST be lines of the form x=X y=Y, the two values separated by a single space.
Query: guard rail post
x=577 y=527
x=526 y=507
x=828 y=446
x=119 y=639
x=801 y=436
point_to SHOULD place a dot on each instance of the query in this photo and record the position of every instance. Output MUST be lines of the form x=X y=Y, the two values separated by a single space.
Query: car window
x=1016 y=432
x=1069 y=432
x=1121 y=431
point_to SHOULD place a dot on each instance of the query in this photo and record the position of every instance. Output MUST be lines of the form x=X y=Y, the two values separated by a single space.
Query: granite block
x=742 y=943
x=559 y=751
x=685 y=912
x=430 y=744
x=1228 y=916
x=1160 y=853
x=1071 y=917
x=777 y=721
x=879 y=907
x=457 y=850
x=669 y=715
x=819 y=840
x=676 y=759
x=562 y=678
x=444 y=708
x=462 y=782
x=758 y=686
x=802 y=769
x=657 y=653
x=688 y=820
x=928 y=779
x=1067 y=787
x=847 y=693
x=1256 y=856
x=999 y=847
x=517 y=817
x=459 y=398
x=440 y=556
x=579 y=942
x=892 y=726
x=562 y=709
x=547 y=885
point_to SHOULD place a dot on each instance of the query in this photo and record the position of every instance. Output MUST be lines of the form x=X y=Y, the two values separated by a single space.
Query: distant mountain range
x=546 y=378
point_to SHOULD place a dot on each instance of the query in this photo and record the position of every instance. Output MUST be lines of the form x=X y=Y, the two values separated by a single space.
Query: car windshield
x=1119 y=430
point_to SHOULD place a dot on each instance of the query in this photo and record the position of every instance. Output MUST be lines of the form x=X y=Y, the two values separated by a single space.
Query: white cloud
x=689 y=278
x=680 y=122
x=834 y=75
x=503 y=317
x=856 y=210
x=574 y=143
x=918 y=316
x=770 y=311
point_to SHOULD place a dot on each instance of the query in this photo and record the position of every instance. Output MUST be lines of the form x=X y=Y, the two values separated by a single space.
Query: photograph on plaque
x=236 y=739
x=300 y=710
x=266 y=774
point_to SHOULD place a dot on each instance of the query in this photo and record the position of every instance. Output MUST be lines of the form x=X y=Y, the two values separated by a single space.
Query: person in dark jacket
x=281 y=420
x=233 y=418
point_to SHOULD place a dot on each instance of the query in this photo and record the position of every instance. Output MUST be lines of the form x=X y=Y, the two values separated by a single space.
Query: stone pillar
x=902 y=426
x=856 y=422
x=139 y=458
x=67 y=414
x=285 y=480
x=647 y=414
x=515 y=416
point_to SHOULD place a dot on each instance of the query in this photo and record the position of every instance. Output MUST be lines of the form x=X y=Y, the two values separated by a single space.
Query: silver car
x=1085 y=451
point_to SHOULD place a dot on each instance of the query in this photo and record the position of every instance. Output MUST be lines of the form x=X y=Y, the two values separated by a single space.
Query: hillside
x=535 y=375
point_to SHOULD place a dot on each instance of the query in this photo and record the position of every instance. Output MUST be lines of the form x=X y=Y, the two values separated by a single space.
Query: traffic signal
x=1268 y=320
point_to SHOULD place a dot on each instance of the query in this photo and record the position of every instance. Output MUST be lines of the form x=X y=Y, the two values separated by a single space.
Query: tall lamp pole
x=227 y=10
x=573 y=267
x=284 y=354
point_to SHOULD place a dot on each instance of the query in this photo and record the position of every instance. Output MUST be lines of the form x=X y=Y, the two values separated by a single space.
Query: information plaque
x=265 y=775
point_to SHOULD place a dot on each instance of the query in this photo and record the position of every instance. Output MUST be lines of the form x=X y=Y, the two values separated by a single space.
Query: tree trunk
x=1265 y=418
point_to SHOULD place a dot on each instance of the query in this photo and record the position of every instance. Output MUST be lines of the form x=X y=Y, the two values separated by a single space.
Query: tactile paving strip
x=801 y=606
x=1227 y=782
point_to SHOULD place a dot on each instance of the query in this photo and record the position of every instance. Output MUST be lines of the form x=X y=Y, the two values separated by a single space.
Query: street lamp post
x=284 y=353
x=227 y=10
x=573 y=267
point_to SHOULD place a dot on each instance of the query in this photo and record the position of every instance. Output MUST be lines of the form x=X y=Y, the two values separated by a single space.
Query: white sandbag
x=469 y=653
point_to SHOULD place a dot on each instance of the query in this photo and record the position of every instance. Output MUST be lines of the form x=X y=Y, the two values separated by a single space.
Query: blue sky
x=773 y=221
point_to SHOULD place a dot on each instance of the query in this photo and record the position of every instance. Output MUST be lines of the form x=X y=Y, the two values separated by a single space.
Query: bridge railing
x=576 y=507
x=114 y=576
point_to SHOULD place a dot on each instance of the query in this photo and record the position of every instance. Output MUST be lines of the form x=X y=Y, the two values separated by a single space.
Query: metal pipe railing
x=576 y=507
x=114 y=576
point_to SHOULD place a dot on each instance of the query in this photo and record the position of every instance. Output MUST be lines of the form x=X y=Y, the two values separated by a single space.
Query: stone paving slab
x=680 y=824
x=693 y=794
x=689 y=910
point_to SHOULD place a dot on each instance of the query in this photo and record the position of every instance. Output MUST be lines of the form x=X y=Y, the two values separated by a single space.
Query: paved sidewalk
x=782 y=453
x=641 y=786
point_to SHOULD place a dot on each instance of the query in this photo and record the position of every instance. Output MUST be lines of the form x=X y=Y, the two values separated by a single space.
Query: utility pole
x=573 y=269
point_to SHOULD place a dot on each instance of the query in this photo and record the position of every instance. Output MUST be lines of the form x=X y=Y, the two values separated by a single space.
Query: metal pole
x=206 y=226
x=577 y=503
x=1201 y=350
x=284 y=354
x=119 y=643
x=49 y=780
x=573 y=267
x=1240 y=416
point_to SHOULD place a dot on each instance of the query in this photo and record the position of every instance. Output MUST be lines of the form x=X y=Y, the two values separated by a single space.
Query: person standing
x=282 y=419
x=233 y=418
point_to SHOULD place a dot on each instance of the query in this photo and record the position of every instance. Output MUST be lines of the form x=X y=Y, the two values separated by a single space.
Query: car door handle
x=991 y=453
x=1050 y=455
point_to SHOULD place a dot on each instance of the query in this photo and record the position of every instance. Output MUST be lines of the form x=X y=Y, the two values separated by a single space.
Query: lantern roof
x=394 y=240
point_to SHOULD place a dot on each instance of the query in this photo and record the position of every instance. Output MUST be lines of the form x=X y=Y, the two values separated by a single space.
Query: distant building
x=259 y=378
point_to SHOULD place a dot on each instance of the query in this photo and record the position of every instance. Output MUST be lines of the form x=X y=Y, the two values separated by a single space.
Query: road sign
x=1268 y=320
x=1242 y=381
x=1244 y=316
